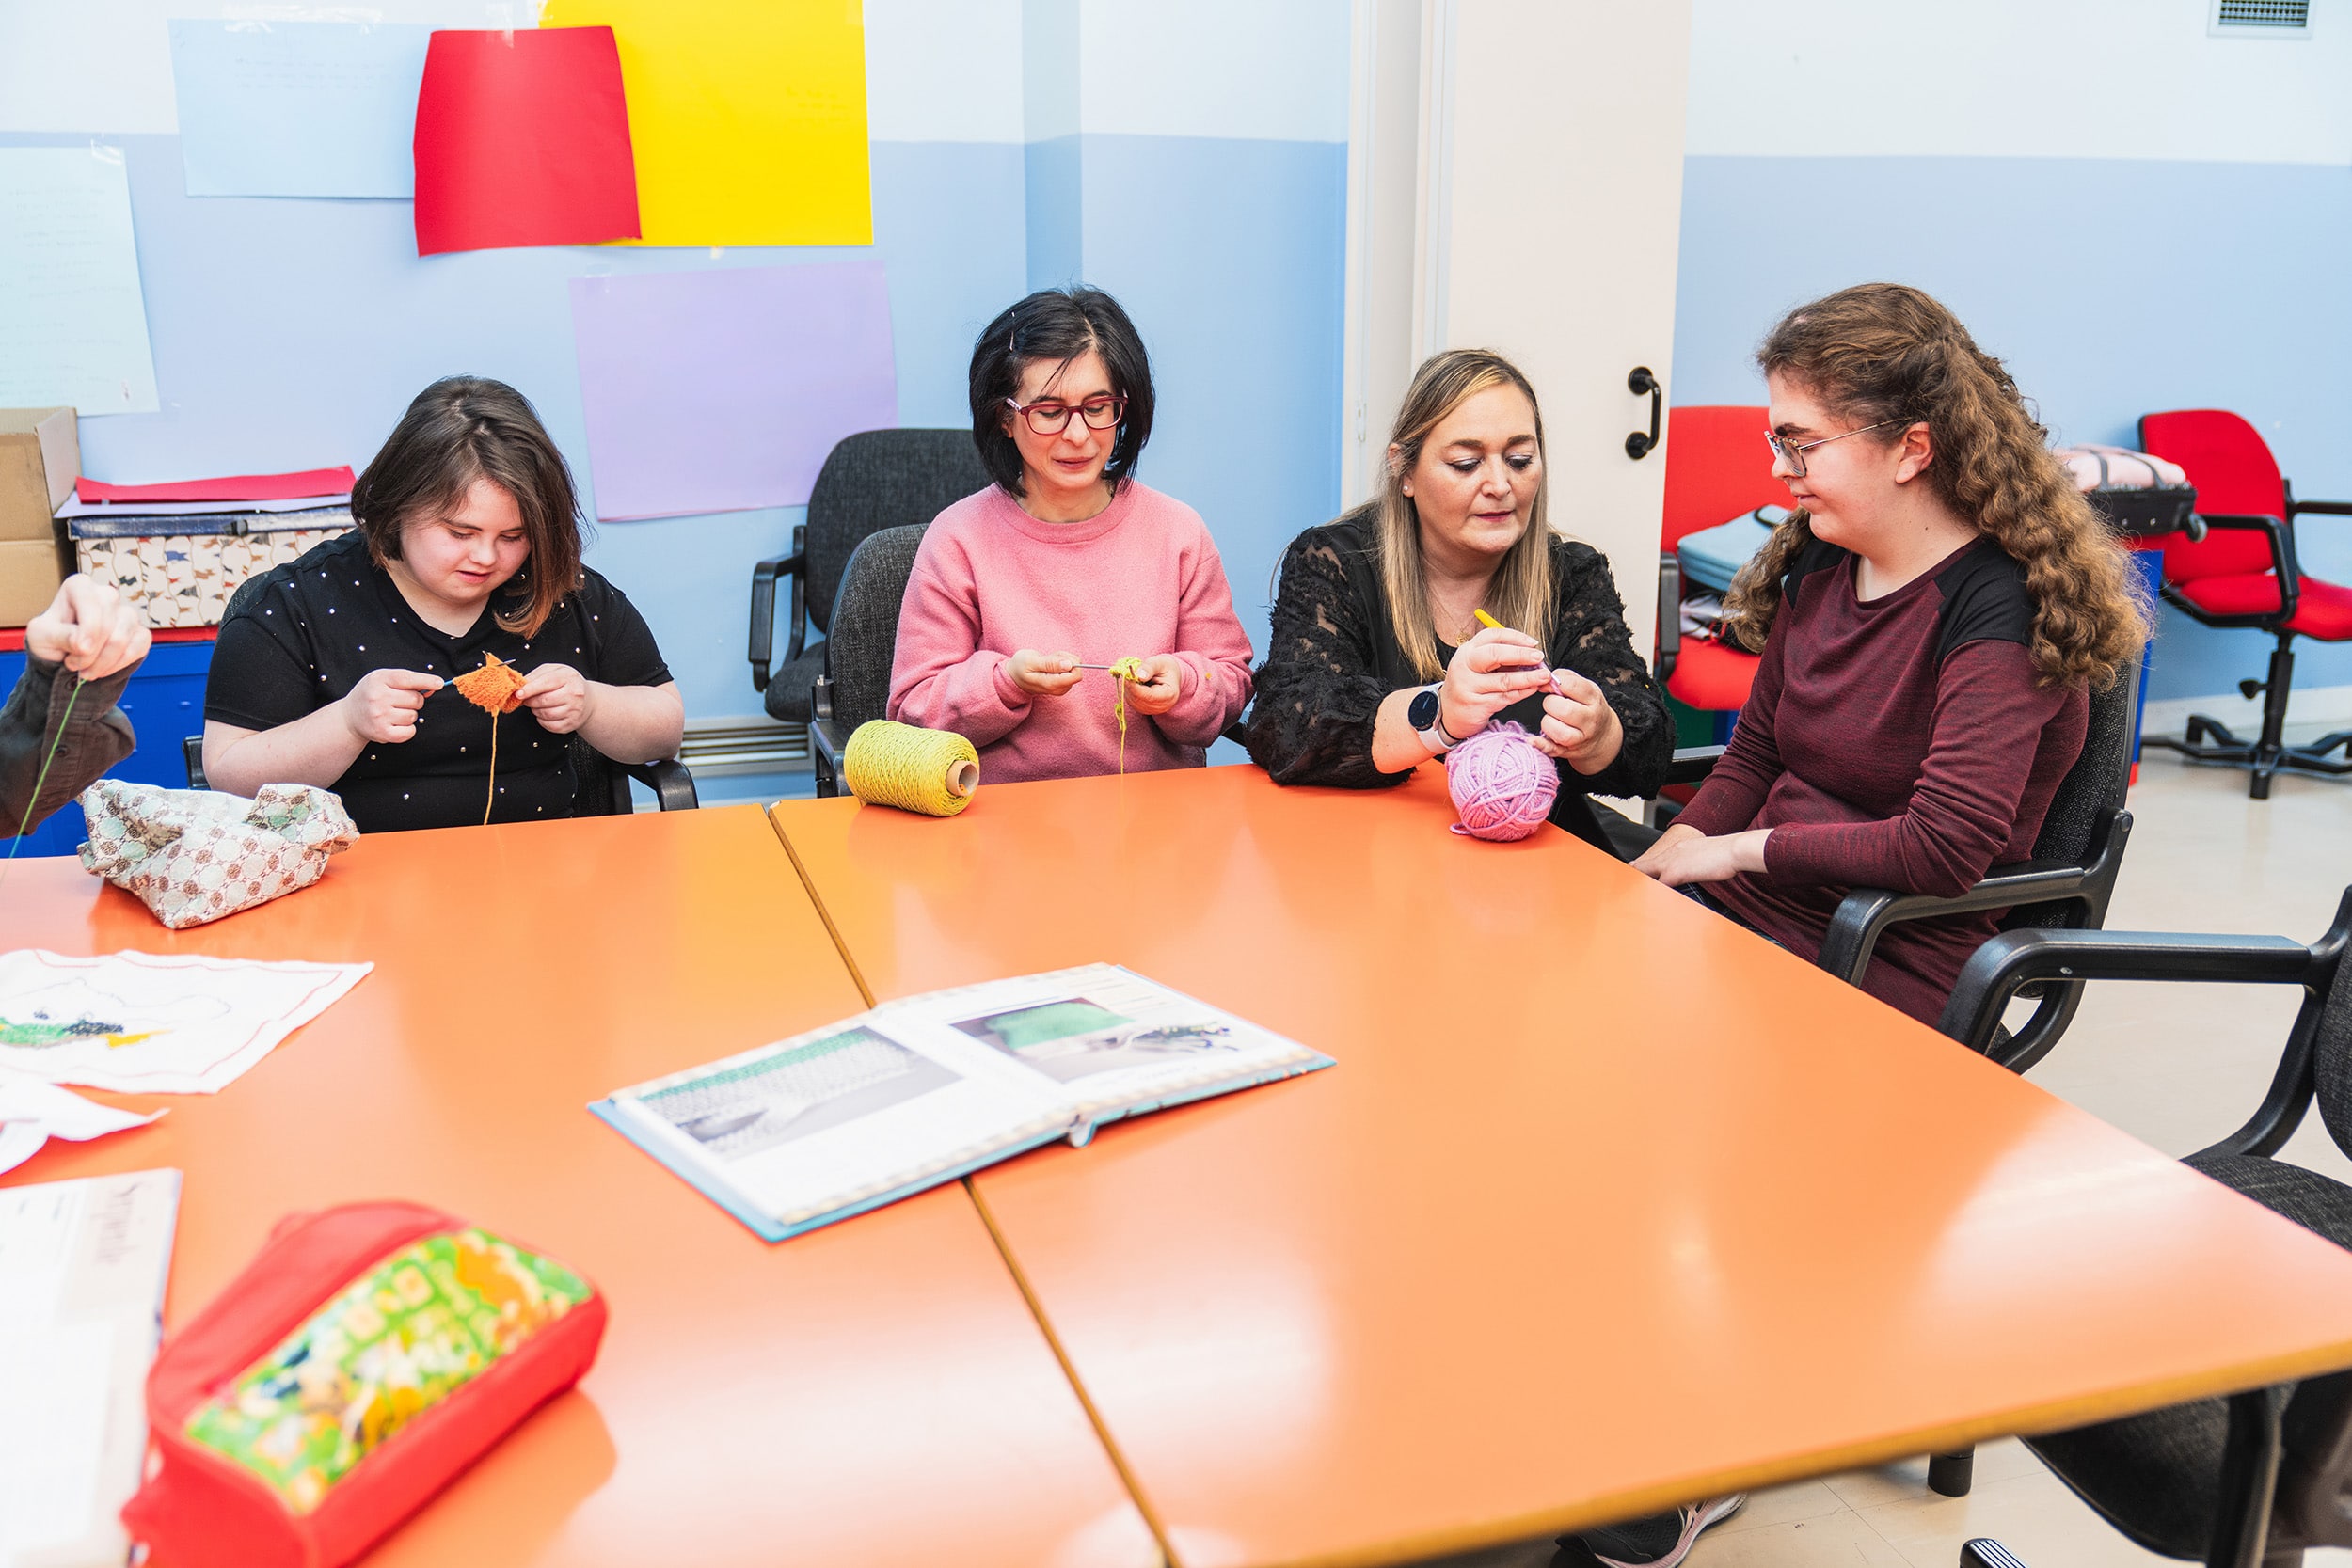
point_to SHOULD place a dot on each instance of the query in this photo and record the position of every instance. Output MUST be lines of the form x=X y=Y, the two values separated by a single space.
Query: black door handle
x=1638 y=446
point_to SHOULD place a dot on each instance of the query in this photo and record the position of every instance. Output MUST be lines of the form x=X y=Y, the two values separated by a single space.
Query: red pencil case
x=357 y=1366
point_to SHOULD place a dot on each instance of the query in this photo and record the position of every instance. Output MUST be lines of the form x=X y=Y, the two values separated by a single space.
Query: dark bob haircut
x=460 y=429
x=1058 y=324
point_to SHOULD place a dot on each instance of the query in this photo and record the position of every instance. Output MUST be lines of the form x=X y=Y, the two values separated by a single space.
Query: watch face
x=1423 y=711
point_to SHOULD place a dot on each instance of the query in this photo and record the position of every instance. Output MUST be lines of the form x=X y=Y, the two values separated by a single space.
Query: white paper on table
x=73 y=318
x=82 y=1272
x=145 y=1024
x=32 y=1112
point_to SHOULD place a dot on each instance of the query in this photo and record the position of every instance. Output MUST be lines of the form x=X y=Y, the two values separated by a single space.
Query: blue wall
x=2112 y=288
x=1232 y=257
x=290 y=334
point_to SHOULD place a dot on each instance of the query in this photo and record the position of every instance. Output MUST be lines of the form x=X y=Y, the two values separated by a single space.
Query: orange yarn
x=492 y=689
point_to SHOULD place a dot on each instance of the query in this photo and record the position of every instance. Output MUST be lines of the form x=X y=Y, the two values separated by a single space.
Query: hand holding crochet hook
x=1151 y=683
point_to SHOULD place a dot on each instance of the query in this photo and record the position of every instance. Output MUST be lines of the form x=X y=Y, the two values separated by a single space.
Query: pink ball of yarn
x=1502 y=786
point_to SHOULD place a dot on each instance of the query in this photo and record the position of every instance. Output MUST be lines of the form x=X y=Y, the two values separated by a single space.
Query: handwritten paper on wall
x=297 y=108
x=749 y=117
x=719 y=390
x=522 y=138
x=72 y=322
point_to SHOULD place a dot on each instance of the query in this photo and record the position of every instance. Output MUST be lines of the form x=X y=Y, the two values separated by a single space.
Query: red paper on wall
x=522 y=138
x=237 y=487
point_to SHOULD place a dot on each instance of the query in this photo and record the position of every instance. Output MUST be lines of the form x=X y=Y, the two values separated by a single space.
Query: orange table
x=1606 y=1205
x=877 y=1392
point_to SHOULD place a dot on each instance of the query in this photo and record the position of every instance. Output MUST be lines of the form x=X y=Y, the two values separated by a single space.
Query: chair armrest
x=828 y=738
x=2326 y=509
x=671 y=784
x=1692 y=763
x=764 y=575
x=192 y=752
x=1669 y=613
x=1865 y=914
x=2015 y=959
x=2281 y=562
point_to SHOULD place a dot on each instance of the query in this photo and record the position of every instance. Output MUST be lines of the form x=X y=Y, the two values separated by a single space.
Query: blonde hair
x=1521 y=595
x=1882 y=352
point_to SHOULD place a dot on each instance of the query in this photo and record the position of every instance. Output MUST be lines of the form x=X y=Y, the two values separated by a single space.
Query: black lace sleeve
x=1319 y=690
x=1590 y=637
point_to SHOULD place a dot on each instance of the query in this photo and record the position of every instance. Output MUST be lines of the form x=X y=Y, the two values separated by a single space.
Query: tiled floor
x=2180 y=1067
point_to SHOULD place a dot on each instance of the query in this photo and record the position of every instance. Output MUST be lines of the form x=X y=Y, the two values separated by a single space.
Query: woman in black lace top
x=1377 y=608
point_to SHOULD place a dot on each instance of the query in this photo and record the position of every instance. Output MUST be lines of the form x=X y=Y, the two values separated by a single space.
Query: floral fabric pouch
x=194 y=855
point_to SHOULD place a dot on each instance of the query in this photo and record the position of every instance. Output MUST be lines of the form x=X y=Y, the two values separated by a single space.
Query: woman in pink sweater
x=1066 y=561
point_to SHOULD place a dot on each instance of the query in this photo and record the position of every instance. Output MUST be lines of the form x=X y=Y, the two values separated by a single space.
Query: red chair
x=2243 y=573
x=1717 y=467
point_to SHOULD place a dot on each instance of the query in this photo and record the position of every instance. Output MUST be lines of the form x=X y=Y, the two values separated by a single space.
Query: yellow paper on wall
x=747 y=117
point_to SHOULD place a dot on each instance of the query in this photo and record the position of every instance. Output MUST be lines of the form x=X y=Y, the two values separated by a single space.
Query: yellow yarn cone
x=932 y=771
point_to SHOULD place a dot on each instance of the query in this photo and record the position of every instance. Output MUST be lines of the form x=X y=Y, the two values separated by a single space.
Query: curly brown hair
x=1885 y=353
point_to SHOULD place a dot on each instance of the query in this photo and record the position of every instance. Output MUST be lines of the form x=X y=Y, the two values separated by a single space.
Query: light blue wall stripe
x=2111 y=288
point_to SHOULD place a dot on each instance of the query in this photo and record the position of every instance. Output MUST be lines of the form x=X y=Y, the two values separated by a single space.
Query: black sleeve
x=1590 y=637
x=260 y=675
x=624 y=651
x=1985 y=599
x=1319 y=690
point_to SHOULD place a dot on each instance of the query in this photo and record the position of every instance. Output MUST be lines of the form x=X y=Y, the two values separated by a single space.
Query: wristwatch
x=1427 y=717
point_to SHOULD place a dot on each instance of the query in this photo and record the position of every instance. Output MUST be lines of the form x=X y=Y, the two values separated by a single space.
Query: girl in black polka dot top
x=334 y=670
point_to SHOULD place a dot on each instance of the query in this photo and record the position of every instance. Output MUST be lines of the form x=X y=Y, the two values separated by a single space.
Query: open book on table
x=919 y=1091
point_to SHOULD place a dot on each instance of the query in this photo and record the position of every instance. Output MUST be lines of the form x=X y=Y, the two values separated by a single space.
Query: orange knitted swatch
x=492 y=687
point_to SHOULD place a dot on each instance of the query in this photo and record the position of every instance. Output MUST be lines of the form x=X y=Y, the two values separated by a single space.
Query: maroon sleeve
x=1734 y=791
x=1989 y=714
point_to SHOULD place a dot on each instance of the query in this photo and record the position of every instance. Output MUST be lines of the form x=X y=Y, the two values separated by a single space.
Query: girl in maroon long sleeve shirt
x=1932 y=619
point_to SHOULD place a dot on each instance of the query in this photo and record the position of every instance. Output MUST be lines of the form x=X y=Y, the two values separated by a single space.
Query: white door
x=1539 y=144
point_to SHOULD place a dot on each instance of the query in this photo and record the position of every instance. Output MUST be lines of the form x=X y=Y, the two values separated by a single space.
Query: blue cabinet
x=165 y=703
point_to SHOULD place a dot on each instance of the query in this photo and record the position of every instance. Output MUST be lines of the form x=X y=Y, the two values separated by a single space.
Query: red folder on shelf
x=237 y=487
x=522 y=139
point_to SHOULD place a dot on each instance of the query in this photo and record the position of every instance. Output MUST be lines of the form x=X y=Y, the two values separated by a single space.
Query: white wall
x=2015 y=79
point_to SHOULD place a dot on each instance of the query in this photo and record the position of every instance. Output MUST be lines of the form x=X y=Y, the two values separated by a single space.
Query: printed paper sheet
x=140 y=1023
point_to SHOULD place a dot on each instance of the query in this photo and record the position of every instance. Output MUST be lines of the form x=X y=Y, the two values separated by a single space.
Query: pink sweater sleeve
x=940 y=678
x=1213 y=650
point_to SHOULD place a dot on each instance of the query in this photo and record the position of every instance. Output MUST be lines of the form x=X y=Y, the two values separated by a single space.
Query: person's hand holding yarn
x=1157 y=682
x=382 y=709
x=1580 y=727
x=89 y=628
x=1683 y=855
x=1487 y=673
x=1037 y=674
x=559 y=696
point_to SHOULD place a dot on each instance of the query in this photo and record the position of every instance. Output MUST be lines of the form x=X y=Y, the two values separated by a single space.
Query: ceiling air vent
x=2249 y=19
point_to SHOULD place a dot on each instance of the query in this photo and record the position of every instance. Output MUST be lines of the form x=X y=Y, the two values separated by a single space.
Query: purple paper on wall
x=723 y=391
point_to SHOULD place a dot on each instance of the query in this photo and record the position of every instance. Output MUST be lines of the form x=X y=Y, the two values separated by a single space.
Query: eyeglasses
x=1049 y=418
x=1792 y=452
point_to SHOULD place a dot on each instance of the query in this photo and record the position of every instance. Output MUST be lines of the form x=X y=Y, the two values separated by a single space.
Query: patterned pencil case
x=359 y=1365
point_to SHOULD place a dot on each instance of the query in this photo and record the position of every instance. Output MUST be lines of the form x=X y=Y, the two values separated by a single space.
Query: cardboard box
x=40 y=458
x=30 y=570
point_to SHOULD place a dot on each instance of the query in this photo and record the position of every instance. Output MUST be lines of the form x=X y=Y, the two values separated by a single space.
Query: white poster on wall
x=72 y=322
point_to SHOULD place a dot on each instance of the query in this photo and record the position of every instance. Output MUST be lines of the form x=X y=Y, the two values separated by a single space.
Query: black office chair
x=602 y=785
x=872 y=480
x=2066 y=886
x=2258 y=1477
x=858 y=649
